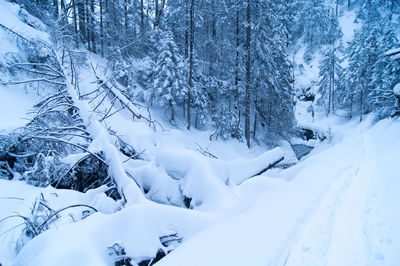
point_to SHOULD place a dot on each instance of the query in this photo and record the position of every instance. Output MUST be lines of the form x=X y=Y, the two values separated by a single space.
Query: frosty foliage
x=370 y=76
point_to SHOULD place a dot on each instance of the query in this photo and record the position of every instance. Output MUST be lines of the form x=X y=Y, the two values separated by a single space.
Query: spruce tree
x=168 y=74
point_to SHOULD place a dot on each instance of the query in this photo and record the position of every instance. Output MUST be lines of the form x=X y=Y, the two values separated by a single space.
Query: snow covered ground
x=337 y=207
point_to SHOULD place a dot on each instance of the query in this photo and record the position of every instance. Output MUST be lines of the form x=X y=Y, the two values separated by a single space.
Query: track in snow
x=335 y=234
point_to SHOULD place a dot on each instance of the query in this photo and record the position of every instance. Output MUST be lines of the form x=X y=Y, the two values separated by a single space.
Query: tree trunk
x=190 y=62
x=141 y=17
x=92 y=27
x=391 y=9
x=75 y=23
x=333 y=77
x=337 y=8
x=255 y=125
x=126 y=16
x=172 y=111
x=213 y=37
x=237 y=104
x=88 y=26
x=82 y=24
x=351 y=104
x=55 y=6
x=248 y=73
x=329 y=96
x=187 y=32
x=101 y=29
x=361 y=105
x=155 y=13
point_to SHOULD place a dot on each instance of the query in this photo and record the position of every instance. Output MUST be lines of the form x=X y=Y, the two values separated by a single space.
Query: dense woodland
x=220 y=64
x=227 y=61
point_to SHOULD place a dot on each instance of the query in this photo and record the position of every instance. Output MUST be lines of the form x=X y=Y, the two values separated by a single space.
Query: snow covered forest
x=199 y=132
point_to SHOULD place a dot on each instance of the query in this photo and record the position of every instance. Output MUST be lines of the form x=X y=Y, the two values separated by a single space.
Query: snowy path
x=335 y=233
x=339 y=207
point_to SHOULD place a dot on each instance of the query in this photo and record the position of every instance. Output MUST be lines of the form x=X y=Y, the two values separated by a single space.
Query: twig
x=63 y=209
x=67 y=142
x=206 y=152
x=33 y=80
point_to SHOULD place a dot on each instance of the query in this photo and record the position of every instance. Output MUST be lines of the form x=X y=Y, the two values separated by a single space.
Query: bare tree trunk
x=337 y=8
x=333 y=77
x=172 y=111
x=75 y=23
x=255 y=122
x=190 y=63
x=184 y=108
x=361 y=105
x=88 y=26
x=82 y=19
x=391 y=9
x=213 y=36
x=126 y=16
x=92 y=26
x=248 y=75
x=141 y=17
x=329 y=96
x=155 y=13
x=237 y=104
x=351 y=104
x=101 y=29
x=55 y=6
x=187 y=32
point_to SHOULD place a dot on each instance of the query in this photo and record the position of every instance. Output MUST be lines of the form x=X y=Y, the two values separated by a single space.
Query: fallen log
x=271 y=165
x=241 y=170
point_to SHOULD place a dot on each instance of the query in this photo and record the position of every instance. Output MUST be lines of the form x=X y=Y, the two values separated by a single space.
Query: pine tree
x=273 y=97
x=386 y=75
x=330 y=72
x=362 y=55
x=168 y=74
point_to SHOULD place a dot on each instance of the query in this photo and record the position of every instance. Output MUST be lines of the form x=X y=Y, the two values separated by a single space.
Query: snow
x=17 y=100
x=15 y=104
x=348 y=25
x=396 y=89
x=393 y=51
x=19 y=198
x=325 y=213
x=337 y=206
x=10 y=17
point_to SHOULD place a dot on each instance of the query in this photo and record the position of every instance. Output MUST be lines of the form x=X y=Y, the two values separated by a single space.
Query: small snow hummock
x=396 y=89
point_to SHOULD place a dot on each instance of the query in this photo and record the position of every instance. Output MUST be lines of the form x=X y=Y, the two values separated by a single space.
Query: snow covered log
x=241 y=170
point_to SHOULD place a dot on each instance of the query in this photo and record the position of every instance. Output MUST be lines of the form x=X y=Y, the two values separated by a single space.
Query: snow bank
x=137 y=228
x=396 y=89
x=10 y=17
x=305 y=215
x=242 y=169
x=19 y=198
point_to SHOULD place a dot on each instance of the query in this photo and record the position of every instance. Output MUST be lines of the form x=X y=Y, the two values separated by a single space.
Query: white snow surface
x=16 y=100
x=396 y=89
x=337 y=207
x=17 y=20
